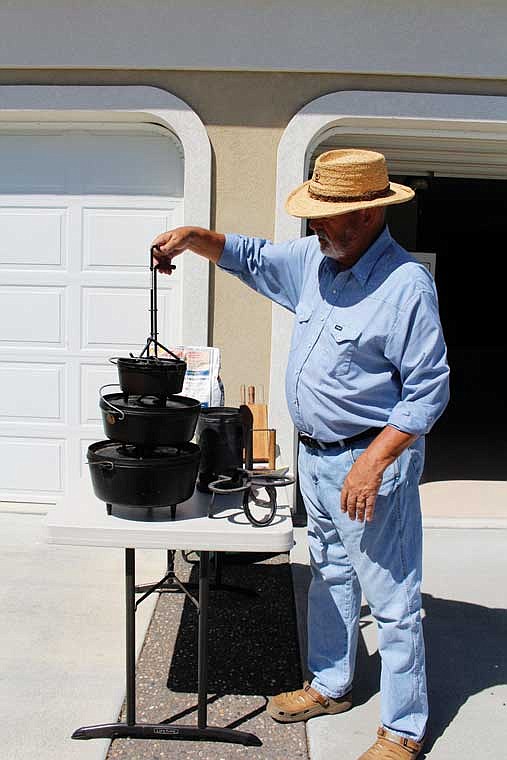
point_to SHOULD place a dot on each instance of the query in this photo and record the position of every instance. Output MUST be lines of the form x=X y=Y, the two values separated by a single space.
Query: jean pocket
x=390 y=476
x=415 y=463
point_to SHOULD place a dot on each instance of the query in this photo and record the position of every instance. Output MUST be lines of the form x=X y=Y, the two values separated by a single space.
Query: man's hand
x=197 y=239
x=362 y=484
x=360 y=489
x=171 y=244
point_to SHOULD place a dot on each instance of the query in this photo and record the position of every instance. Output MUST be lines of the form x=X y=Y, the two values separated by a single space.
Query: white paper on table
x=202 y=378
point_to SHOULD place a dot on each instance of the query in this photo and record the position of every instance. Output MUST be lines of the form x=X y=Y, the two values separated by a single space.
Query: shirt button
x=334 y=292
x=322 y=319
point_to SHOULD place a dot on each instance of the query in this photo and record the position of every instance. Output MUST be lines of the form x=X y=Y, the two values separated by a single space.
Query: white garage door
x=77 y=212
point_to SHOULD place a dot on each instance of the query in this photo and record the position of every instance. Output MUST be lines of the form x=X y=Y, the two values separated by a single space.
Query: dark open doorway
x=464 y=221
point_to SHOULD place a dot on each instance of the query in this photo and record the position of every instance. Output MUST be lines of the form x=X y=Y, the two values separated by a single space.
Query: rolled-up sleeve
x=417 y=349
x=274 y=270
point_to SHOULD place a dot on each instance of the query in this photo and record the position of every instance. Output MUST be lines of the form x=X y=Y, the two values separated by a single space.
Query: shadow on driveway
x=466 y=653
x=253 y=645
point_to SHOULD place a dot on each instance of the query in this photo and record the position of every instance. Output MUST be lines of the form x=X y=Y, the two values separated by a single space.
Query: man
x=366 y=379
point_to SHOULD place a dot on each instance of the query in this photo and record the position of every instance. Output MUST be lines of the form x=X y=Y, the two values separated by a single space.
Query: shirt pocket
x=344 y=343
x=303 y=315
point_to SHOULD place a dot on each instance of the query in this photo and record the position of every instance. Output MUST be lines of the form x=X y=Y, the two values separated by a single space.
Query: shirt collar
x=362 y=268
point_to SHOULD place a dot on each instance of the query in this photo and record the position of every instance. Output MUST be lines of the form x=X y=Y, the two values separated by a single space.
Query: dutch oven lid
x=151 y=363
x=149 y=404
x=130 y=455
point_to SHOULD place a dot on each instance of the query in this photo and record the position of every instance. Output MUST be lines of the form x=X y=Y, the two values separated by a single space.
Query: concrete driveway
x=62 y=643
x=62 y=639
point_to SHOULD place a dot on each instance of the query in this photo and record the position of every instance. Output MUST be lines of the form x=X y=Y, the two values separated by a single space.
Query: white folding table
x=82 y=520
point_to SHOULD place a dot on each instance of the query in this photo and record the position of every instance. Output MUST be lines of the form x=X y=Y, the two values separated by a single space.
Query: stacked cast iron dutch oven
x=148 y=460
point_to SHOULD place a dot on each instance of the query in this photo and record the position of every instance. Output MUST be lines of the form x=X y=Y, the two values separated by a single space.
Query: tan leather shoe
x=390 y=746
x=305 y=703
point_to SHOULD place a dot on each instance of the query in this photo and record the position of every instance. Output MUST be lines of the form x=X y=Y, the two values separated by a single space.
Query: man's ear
x=371 y=215
x=367 y=216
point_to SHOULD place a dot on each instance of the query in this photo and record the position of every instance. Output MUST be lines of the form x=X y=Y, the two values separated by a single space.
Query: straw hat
x=343 y=181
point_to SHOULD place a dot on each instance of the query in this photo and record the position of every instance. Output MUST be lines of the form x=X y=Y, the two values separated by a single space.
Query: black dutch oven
x=125 y=475
x=220 y=434
x=150 y=375
x=149 y=420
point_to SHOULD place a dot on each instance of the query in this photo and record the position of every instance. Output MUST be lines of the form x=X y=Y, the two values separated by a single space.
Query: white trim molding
x=412 y=115
x=55 y=104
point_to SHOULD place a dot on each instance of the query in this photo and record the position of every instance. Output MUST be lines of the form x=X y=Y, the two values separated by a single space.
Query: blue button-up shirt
x=367 y=348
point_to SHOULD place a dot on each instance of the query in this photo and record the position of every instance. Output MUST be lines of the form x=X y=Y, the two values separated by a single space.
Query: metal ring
x=214 y=486
x=272 y=481
x=268 y=519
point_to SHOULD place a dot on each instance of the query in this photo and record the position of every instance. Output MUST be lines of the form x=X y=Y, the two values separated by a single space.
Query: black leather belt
x=313 y=443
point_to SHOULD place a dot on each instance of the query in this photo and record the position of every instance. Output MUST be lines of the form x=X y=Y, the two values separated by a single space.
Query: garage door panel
x=33 y=165
x=32 y=465
x=78 y=209
x=32 y=392
x=31 y=316
x=119 y=238
x=32 y=236
x=93 y=377
x=118 y=166
x=120 y=317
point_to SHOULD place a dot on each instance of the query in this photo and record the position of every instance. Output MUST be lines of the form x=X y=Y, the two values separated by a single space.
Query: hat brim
x=301 y=204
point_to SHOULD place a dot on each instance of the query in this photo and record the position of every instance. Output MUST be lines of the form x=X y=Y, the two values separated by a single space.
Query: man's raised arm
x=204 y=242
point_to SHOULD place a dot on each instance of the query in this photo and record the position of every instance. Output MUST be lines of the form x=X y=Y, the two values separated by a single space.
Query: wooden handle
x=242 y=394
x=251 y=394
x=272 y=449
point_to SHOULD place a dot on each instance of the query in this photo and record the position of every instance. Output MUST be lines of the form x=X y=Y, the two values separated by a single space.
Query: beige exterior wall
x=245 y=115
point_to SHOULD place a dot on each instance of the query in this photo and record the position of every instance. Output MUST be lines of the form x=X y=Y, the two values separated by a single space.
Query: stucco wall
x=245 y=115
x=436 y=38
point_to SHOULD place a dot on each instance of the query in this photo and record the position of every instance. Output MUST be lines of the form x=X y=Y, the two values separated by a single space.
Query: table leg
x=202 y=650
x=130 y=634
x=164 y=730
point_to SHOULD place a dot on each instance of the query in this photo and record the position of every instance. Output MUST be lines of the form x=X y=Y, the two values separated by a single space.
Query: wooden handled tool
x=263 y=438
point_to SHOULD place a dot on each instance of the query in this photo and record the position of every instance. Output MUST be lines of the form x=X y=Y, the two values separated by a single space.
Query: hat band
x=370 y=195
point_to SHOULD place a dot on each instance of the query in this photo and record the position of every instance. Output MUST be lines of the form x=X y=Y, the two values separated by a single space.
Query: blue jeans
x=383 y=558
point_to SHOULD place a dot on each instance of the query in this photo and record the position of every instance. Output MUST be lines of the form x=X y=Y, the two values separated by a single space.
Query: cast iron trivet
x=248 y=482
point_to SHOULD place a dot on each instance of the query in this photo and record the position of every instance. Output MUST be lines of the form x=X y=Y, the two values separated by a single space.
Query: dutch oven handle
x=104 y=465
x=111 y=385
